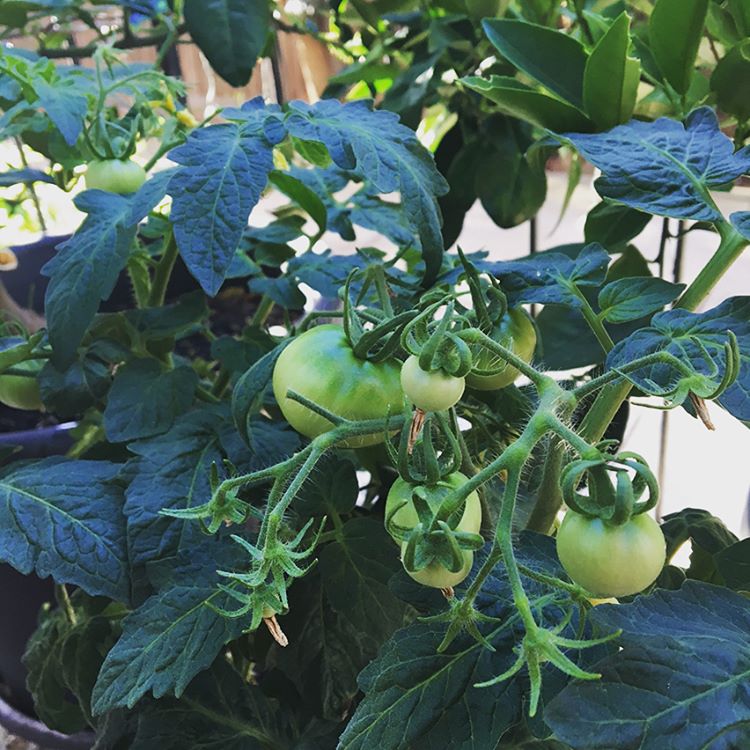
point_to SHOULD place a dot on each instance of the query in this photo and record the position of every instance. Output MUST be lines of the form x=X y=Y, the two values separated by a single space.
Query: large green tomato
x=430 y=391
x=121 y=176
x=406 y=517
x=439 y=577
x=321 y=366
x=20 y=391
x=515 y=332
x=611 y=560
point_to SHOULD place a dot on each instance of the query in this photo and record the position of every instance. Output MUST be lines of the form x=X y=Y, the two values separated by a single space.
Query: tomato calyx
x=430 y=456
x=614 y=502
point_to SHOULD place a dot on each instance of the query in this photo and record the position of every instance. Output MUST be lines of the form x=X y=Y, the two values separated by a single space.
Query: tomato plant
x=121 y=176
x=400 y=510
x=611 y=560
x=430 y=391
x=516 y=332
x=437 y=576
x=256 y=346
x=321 y=366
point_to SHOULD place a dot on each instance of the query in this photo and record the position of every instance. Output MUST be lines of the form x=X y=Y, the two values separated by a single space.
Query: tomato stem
x=163 y=271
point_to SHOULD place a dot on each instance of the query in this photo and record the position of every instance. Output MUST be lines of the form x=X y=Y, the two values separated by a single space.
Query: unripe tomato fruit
x=515 y=332
x=121 y=176
x=430 y=391
x=611 y=560
x=439 y=577
x=20 y=391
x=321 y=366
x=406 y=517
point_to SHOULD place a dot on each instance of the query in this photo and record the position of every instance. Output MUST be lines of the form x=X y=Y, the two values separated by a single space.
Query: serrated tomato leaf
x=218 y=710
x=634 y=297
x=85 y=268
x=549 y=277
x=681 y=678
x=223 y=170
x=64 y=104
x=356 y=570
x=172 y=471
x=375 y=146
x=63 y=518
x=689 y=336
x=173 y=635
x=145 y=399
x=664 y=167
x=418 y=698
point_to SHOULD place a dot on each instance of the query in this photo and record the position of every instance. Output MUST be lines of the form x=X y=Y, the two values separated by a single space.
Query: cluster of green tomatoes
x=321 y=366
x=606 y=559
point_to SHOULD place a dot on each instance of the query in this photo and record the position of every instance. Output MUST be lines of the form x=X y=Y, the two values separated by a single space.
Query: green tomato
x=439 y=577
x=430 y=391
x=121 y=176
x=406 y=517
x=515 y=332
x=21 y=391
x=611 y=560
x=268 y=612
x=321 y=366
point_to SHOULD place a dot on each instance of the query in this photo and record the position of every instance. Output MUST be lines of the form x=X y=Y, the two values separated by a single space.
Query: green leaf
x=63 y=659
x=675 y=30
x=634 y=297
x=172 y=471
x=169 y=320
x=355 y=572
x=331 y=487
x=63 y=517
x=733 y=563
x=230 y=33
x=614 y=225
x=509 y=180
x=374 y=146
x=740 y=10
x=219 y=710
x=71 y=391
x=251 y=390
x=64 y=104
x=690 y=337
x=731 y=81
x=25 y=176
x=313 y=151
x=664 y=167
x=708 y=537
x=86 y=267
x=551 y=277
x=340 y=616
x=554 y=59
x=325 y=652
x=173 y=635
x=610 y=82
x=418 y=698
x=680 y=679
x=224 y=168
x=145 y=399
x=302 y=196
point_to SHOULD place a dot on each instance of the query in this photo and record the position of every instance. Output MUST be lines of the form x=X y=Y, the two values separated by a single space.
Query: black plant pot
x=33 y=730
